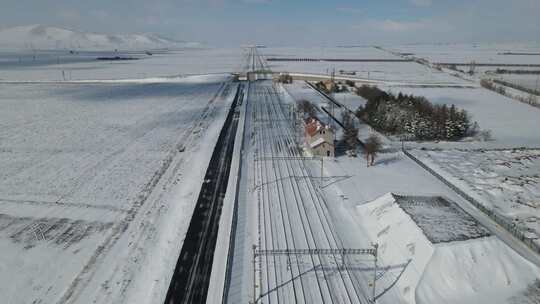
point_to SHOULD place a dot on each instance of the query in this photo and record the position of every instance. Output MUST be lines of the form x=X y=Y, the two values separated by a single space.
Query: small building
x=330 y=85
x=319 y=138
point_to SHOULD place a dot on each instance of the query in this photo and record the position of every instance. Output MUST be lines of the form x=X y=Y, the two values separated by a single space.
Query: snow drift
x=464 y=271
x=47 y=37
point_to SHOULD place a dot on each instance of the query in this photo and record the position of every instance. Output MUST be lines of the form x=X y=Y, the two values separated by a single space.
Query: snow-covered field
x=384 y=71
x=481 y=53
x=93 y=180
x=60 y=65
x=506 y=180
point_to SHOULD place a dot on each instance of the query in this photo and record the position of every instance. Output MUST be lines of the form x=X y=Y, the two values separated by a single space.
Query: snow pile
x=47 y=37
x=399 y=239
x=475 y=271
x=453 y=272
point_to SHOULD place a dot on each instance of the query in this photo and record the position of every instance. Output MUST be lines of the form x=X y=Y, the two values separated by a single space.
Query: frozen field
x=506 y=180
x=48 y=67
x=512 y=123
x=481 y=53
x=88 y=173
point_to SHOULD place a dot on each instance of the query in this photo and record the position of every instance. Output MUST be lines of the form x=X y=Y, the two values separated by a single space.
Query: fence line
x=504 y=222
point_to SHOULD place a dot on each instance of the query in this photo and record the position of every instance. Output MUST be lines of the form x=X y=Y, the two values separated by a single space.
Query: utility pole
x=322 y=162
x=376 y=246
x=254 y=274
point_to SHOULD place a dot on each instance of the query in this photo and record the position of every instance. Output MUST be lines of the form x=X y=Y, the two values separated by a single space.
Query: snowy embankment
x=468 y=271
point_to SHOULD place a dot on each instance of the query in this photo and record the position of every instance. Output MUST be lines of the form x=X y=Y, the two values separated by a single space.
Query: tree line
x=413 y=117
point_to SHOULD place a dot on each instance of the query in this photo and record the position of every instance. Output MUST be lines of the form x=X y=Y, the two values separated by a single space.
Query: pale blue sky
x=291 y=22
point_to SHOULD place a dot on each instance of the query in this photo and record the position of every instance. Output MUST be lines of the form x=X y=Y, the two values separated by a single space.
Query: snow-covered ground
x=95 y=191
x=506 y=180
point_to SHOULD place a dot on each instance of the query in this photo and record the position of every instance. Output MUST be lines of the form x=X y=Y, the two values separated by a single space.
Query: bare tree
x=373 y=146
x=306 y=107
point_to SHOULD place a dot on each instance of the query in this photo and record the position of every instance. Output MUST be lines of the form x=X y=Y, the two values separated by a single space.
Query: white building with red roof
x=319 y=138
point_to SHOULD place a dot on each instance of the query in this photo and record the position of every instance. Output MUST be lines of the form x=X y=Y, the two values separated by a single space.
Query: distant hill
x=54 y=38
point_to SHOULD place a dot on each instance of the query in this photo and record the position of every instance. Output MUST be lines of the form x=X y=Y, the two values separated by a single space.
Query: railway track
x=294 y=215
x=291 y=213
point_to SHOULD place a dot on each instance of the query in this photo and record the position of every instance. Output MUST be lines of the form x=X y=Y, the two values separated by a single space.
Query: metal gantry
x=318 y=251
